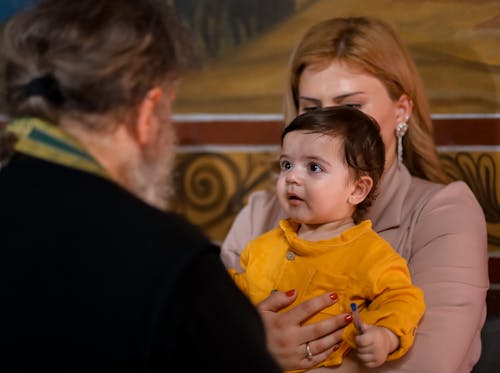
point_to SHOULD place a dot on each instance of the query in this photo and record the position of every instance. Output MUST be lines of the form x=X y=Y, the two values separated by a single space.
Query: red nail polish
x=334 y=296
x=348 y=319
x=290 y=293
x=335 y=348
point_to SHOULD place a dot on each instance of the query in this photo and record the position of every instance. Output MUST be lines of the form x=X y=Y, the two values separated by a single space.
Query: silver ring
x=308 y=351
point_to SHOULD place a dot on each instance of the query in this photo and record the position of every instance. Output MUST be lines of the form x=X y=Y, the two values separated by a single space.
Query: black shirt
x=92 y=279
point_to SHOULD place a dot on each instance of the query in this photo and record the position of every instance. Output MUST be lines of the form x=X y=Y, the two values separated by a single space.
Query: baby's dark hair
x=363 y=146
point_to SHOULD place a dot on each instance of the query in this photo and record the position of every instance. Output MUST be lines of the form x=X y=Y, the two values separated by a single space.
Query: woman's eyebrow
x=336 y=98
x=346 y=95
x=310 y=99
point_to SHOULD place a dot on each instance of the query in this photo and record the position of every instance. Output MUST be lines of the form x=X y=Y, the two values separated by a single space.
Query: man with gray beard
x=95 y=274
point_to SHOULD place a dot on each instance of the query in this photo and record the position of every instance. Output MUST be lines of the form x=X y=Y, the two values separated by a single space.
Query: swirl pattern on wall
x=212 y=187
x=481 y=176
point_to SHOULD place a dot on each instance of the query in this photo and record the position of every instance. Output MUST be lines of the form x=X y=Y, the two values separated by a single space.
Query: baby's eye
x=285 y=165
x=314 y=167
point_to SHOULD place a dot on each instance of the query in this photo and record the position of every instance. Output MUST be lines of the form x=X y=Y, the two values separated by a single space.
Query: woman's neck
x=318 y=232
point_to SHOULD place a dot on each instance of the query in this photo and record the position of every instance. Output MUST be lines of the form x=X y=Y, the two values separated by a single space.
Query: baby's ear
x=361 y=188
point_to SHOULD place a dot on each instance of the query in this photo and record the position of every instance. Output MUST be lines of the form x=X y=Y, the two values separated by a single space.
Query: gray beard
x=151 y=180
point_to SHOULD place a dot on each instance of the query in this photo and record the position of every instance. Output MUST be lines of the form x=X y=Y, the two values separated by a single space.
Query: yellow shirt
x=359 y=265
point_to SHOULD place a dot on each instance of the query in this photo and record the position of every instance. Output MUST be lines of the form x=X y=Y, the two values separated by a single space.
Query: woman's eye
x=355 y=106
x=310 y=108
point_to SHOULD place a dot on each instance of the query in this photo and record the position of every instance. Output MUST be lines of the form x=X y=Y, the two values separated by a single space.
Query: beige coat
x=441 y=231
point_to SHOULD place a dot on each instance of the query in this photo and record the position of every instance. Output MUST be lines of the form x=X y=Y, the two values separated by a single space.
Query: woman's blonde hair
x=371 y=46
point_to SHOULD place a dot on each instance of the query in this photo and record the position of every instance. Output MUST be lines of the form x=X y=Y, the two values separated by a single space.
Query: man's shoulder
x=66 y=201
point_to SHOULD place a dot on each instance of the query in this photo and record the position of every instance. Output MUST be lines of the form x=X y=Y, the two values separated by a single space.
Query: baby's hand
x=375 y=344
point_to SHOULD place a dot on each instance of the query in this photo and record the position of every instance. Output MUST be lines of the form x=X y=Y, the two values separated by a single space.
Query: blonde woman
x=437 y=226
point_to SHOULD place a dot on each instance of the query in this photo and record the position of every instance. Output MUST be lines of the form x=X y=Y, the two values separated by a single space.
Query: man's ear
x=362 y=187
x=147 y=123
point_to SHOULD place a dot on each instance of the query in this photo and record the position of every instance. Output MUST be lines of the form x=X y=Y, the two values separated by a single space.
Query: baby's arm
x=375 y=344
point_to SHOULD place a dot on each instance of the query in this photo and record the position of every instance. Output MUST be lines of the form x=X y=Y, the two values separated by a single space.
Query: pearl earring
x=401 y=129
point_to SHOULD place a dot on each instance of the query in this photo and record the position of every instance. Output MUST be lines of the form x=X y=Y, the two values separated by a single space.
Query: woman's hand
x=288 y=339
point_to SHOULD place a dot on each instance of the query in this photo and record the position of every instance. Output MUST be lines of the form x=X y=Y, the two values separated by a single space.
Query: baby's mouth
x=294 y=197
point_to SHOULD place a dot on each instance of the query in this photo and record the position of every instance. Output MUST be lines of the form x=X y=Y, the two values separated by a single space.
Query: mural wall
x=246 y=44
x=244 y=48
